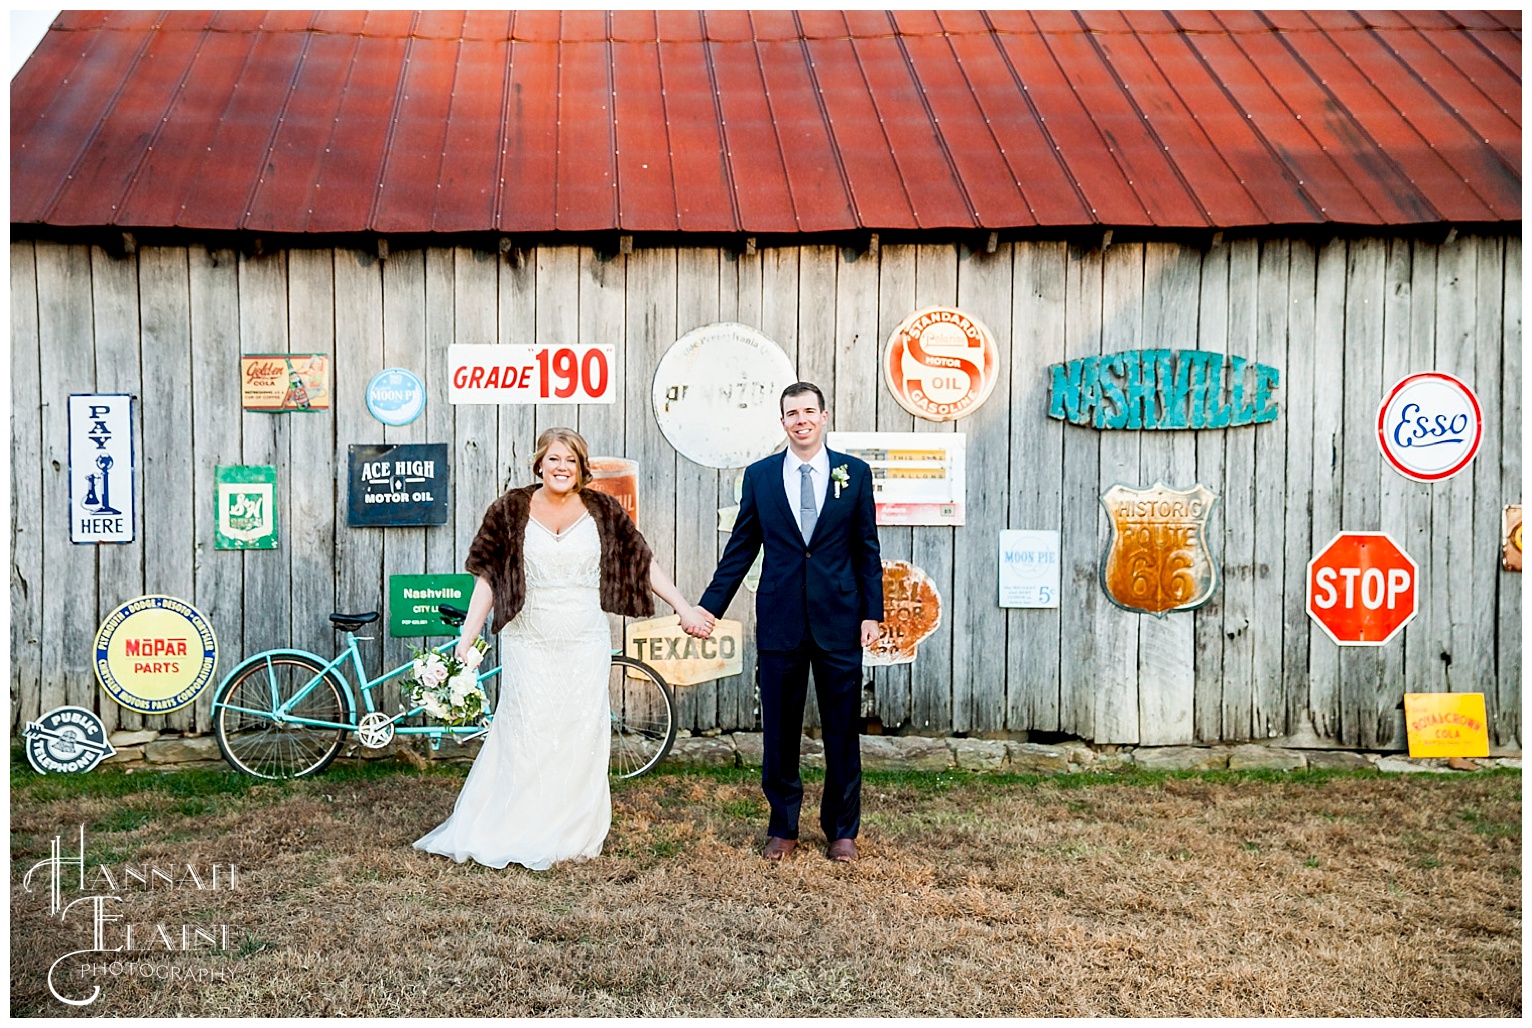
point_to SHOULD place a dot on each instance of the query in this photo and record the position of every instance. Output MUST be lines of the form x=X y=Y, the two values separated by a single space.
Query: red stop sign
x=1362 y=588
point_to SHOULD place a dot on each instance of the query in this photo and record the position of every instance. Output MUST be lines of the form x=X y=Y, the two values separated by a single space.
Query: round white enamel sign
x=1429 y=426
x=717 y=394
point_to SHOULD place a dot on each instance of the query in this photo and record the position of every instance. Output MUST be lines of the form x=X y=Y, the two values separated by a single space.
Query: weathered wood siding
x=1342 y=320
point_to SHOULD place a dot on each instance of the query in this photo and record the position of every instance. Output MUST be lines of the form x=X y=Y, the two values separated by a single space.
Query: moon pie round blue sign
x=396 y=396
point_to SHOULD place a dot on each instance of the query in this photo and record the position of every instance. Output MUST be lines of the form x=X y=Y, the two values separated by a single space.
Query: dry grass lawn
x=1217 y=894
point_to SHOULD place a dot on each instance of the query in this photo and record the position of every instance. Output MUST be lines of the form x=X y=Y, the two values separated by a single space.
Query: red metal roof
x=766 y=122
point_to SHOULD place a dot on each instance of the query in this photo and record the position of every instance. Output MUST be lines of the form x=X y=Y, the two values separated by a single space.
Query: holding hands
x=697 y=623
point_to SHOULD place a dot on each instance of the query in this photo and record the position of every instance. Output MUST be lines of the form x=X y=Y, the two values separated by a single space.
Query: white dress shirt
x=819 y=474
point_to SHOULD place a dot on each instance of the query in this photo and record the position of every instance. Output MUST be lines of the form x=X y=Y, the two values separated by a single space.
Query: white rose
x=474 y=658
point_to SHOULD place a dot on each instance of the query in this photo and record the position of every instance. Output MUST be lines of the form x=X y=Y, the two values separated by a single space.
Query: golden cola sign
x=1156 y=559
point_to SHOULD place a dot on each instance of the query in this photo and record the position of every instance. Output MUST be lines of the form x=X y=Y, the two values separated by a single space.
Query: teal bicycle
x=286 y=713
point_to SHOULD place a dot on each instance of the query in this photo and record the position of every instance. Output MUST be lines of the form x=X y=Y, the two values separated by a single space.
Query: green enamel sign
x=245 y=507
x=412 y=602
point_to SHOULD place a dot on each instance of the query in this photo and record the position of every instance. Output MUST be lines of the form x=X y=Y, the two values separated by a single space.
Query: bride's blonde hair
x=572 y=439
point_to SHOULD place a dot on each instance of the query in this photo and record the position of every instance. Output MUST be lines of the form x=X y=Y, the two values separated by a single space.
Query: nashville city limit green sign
x=1163 y=389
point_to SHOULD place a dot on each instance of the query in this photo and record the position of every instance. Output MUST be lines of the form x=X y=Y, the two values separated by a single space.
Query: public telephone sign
x=1362 y=588
x=538 y=373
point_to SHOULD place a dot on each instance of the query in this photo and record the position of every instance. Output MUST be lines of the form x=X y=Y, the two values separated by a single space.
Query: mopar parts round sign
x=155 y=654
x=396 y=396
x=65 y=740
x=1429 y=426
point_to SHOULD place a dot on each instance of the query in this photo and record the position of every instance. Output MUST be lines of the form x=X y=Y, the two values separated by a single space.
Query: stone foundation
x=151 y=750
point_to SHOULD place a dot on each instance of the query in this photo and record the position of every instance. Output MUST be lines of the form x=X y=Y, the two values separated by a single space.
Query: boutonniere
x=841 y=477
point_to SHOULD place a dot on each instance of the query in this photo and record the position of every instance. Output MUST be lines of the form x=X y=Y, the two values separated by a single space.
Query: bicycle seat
x=453 y=616
x=351 y=622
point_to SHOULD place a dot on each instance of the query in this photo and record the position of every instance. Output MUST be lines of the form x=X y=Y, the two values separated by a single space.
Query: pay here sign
x=537 y=373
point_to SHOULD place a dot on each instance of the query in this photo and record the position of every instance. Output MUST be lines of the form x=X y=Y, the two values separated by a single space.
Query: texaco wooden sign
x=941 y=364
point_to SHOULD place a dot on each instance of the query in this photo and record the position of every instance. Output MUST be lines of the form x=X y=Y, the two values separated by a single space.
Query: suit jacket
x=827 y=586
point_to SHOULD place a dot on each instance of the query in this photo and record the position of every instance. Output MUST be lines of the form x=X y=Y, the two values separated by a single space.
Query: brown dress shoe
x=842 y=851
x=776 y=848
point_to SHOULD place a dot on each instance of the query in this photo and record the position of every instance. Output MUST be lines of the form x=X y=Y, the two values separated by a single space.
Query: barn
x=1332 y=196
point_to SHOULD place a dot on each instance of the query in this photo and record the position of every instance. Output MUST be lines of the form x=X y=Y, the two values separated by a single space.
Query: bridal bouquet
x=447 y=688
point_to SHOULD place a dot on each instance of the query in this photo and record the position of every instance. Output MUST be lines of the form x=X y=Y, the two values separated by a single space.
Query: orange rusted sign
x=1510 y=558
x=912 y=610
x=618 y=477
x=941 y=364
x=1156 y=558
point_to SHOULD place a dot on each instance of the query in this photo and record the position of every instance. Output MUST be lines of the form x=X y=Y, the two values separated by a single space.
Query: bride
x=547 y=561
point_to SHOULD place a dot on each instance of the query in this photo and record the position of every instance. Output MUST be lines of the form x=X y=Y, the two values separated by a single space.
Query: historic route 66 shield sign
x=1156 y=558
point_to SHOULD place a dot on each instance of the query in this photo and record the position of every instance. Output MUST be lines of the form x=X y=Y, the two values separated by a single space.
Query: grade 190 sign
x=478 y=373
x=1163 y=389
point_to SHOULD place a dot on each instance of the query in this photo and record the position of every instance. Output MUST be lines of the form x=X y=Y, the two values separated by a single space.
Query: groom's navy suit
x=813 y=597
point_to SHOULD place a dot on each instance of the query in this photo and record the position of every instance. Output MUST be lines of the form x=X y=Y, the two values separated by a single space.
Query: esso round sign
x=941 y=364
x=1429 y=426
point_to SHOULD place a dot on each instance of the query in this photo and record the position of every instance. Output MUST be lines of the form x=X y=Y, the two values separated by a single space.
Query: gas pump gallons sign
x=941 y=364
x=101 y=491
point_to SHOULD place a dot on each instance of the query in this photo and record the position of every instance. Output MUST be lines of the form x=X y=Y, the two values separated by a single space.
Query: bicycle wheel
x=251 y=738
x=643 y=717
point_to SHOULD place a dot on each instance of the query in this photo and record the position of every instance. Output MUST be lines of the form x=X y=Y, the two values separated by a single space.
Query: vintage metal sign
x=1163 y=389
x=1029 y=568
x=617 y=476
x=912 y=611
x=396 y=396
x=535 y=373
x=102 y=491
x=1362 y=588
x=1430 y=426
x=398 y=485
x=717 y=395
x=941 y=364
x=918 y=478
x=66 y=740
x=1510 y=547
x=155 y=654
x=682 y=660
x=276 y=382
x=1446 y=724
x=245 y=507
x=1157 y=559
x=413 y=599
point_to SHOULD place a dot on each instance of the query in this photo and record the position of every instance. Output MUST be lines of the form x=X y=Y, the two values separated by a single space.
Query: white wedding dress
x=538 y=792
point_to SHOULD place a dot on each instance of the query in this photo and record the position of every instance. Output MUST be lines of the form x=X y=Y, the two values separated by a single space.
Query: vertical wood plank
x=1166 y=659
x=896 y=299
x=27 y=582
x=263 y=329
x=1423 y=669
x=556 y=321
x=477 y=475
x=213 y=291
x=358 y=356
x=1116 y=630
x=114 y=307
x=979 y=649
x=1485 y=471
x=404 y=346
x=1033 y=643
x=936 y=274
x=65 y=337
x=1082 y=532
x=439 y=419
x=164 y=298
x=1396 y=493
x=854 y=400
x=1239 y=613
x=600 y=287
x=696 y=489
x=817 y=266
x=316 y=490
x=1509 y=620
x=1208 y=623
x=1361 y=667
x=1296 y=418
x=516 y=423
x=1270 y=511
x=1329 y=388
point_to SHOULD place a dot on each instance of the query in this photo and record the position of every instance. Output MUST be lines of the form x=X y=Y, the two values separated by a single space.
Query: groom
x=819 y=602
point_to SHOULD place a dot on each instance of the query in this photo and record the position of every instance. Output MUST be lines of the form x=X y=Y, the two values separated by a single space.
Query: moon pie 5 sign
x=155 y=654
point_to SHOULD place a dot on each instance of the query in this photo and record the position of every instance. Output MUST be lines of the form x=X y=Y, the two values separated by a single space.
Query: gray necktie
x=808 y=513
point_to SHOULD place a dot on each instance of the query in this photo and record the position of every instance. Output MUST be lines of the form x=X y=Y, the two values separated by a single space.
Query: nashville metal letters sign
x=1163 y=389
x=1156 y=559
